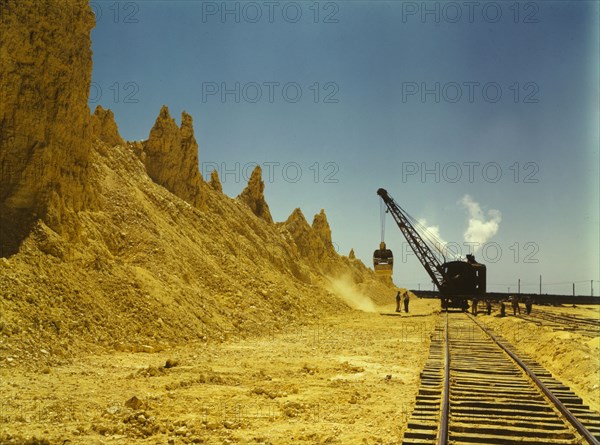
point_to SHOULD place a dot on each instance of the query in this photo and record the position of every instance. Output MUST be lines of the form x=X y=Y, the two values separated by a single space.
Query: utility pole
x=573 y=289
x=519 y=286
x=592 y=286
x=540 y=284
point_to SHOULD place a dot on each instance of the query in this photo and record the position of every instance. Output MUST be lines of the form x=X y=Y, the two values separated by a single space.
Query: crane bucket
x=383 y=260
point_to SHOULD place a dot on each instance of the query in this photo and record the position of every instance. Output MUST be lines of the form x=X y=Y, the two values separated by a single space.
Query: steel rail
x=443 y=434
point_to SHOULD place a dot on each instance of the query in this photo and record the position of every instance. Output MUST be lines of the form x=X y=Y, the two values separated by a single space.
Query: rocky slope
x=151 y=270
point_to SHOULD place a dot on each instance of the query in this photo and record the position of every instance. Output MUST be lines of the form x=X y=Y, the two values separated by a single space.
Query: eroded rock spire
x=253 y=195
x=172 y=157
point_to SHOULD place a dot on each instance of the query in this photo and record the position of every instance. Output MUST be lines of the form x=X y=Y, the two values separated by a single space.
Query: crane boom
x=418 y=245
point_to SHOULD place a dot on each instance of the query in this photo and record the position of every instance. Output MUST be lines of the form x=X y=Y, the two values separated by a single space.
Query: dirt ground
x=348 y=379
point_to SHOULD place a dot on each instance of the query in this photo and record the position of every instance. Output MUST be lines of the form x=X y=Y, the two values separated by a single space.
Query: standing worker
x=398 y=302
x=474 y=308
x=515 y=305
x=488 y=306
x=528 y=304
x=406 y=300
x=502 y=308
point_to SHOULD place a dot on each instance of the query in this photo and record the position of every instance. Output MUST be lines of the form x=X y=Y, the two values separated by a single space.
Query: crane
x=456 y=280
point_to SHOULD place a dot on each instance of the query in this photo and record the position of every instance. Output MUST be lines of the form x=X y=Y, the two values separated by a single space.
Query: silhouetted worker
x=528 y=304
x=502 y=309
x=398 y=297
x=406 y=301
x=488 y=306
x=515 y=305
x=474 y=308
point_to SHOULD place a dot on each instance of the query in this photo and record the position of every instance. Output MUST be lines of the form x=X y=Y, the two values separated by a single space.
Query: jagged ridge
x=155 y=255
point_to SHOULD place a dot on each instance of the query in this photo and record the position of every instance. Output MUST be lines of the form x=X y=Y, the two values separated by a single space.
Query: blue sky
x=337 y=99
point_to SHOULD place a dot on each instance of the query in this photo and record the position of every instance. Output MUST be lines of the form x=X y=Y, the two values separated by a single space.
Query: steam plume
x=481 y=228
x=434 y=231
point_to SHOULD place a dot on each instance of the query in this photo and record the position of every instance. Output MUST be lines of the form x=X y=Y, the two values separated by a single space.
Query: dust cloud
x=344 y=289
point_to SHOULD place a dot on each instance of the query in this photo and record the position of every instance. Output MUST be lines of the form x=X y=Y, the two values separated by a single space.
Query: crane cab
x=465 y=277
x=465 y=280
x=383 y=261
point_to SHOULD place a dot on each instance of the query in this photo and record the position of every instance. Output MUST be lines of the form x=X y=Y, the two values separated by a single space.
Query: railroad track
x=475 y=389
x=565 y=322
